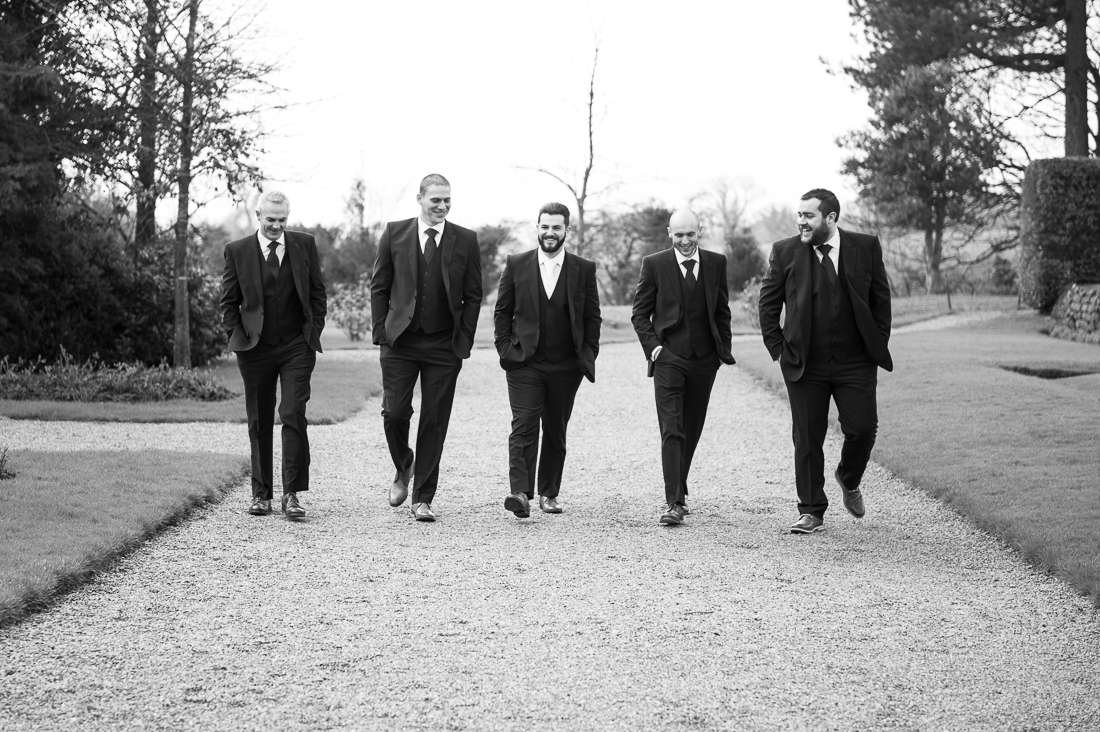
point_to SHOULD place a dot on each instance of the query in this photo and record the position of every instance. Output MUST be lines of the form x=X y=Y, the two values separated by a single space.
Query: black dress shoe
x=674 y=516
x=549 y=505
x=853 y=499
x=423 y=512
x=291 y=508
x=807 y=524
x=399 y=491
x=260 y=506
x=519 y=504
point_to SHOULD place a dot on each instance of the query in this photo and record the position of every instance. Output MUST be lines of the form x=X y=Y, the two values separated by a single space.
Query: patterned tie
x=827 y=263
x=429 y=246
x=272 y=257
x=690 y=276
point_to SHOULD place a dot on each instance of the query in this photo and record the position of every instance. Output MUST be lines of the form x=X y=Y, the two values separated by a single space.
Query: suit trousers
x=540 y=392
x=288 y=364
x=430 y=358
x=682 y=388
x=852 y=385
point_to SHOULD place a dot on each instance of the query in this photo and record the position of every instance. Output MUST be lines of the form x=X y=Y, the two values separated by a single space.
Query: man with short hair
x=425 y=299
x=682 y=318
x=273 y=308
x=831 y=344
x=547 y=333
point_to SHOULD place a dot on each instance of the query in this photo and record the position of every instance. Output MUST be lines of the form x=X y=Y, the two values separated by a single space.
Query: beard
x=817 y=236
x=550 y=245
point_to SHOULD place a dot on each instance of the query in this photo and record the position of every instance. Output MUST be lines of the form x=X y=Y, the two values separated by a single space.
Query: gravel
x=599 y=618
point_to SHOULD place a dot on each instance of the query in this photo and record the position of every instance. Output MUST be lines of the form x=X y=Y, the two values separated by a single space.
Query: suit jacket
x=393 y=285
x=659 y=306
x=242 y=299
x=789 y=282
x=516 y=317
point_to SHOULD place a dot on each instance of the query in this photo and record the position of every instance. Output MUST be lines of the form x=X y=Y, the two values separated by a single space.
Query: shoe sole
x=808 y=531
x=515 y=505
x=258 y=513
x=426 y=519
x=550 y=510
x=670 y=521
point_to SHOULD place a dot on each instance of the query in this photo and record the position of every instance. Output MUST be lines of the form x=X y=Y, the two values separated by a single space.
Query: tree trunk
x=182 y=350
x=1077 y=89
x=933 y=252
x=145 y=221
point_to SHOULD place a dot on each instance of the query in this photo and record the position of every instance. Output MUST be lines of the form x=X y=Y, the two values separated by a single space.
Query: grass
x=339 y=389
x=1015 y=454
x=69 y=515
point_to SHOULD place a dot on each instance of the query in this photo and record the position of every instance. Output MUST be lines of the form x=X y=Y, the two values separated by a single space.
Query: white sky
x=686 y=92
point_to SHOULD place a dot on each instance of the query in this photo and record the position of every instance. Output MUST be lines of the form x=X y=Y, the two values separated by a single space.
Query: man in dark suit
x=547 y=332
x=273 y=307
x=425 y=299
x=682 y=317
x=831 y=344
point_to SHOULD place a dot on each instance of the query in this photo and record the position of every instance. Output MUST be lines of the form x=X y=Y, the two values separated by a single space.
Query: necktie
x=827 y=263
x=272 y=257
x=689 y=264
x=429 y=246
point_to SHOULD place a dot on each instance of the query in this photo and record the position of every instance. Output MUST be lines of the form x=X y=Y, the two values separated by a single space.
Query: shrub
x=5 y=469
x=1059 y=244
x=349 y=308
x=67 y=380
x=749 y=302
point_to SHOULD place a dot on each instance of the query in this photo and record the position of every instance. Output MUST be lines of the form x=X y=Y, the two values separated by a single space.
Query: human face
x=814 y=228
x=684 y=230
x=552 y=233
x=272 y=217
x=435 y=203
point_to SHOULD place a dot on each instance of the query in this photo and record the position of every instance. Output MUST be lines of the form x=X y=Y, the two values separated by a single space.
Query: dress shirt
x=834 y=253
x=550 y=269
x=680 y=258
x=265 y=244
x=422 y=226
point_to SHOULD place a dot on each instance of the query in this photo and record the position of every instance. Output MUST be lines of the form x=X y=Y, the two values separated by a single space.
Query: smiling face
x=814 y=228
x=684 y=230
x=435 y=203
x=272 y=217
x=552 y=232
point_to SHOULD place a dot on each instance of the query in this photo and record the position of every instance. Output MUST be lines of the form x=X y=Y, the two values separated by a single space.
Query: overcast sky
x=686 y=92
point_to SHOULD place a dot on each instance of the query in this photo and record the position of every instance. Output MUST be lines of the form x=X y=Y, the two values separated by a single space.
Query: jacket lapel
x=294 y=252
x=804 y=259
x=254 y=276
x=674 y=277
x=412 y=249
x=849 y=258
x=447 y=249
x=533 y=277
x=572 y=272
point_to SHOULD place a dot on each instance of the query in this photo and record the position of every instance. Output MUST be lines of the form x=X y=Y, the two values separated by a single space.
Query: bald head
x=685 y=229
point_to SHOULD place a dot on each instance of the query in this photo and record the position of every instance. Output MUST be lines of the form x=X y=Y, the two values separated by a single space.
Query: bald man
x=682 y=318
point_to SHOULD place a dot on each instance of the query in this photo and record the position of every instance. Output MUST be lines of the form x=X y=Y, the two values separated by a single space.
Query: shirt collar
x=680 y=258
x=265 y=242
x=545 y=258
x=424 y=226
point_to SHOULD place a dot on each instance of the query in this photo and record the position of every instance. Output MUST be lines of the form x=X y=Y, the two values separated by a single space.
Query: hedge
x=1060 y=234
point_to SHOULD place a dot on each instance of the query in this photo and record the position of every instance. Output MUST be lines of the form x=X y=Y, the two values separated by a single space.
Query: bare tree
x=579 y=188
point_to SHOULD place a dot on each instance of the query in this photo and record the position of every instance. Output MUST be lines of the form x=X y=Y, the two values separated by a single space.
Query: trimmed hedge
x=1060 y=236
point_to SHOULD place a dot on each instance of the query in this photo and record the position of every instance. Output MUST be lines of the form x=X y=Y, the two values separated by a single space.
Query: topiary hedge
x=1060 y=234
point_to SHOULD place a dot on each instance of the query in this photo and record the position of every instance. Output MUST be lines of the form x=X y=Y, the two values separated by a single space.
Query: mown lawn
x=68 y=515
x=1017 y=455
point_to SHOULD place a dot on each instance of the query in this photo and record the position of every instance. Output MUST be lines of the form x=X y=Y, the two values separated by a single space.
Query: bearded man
x=547 y=334
x=832 y=343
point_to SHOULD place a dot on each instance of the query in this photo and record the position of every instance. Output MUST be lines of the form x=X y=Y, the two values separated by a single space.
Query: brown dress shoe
x=291 y=508
x=260 y=506
x=674 y=516
x=519 y=504
x=853 y=499
x=399 y=491
x=549 y=505
x=423 y=512
x=807 y=524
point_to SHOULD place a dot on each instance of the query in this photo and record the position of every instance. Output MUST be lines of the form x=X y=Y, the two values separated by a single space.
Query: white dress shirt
x=834 y=253
x=423 y=226
x=550 y=269
x=680 y=258
x=265 y=244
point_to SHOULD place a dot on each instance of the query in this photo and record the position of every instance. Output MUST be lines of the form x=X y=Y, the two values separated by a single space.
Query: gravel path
x=361 y=618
